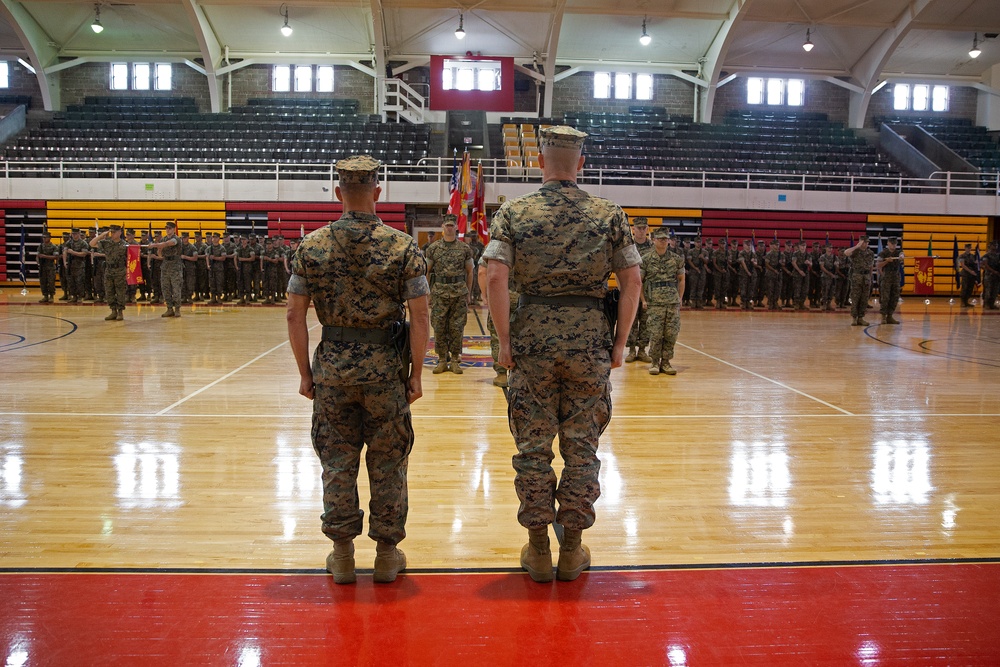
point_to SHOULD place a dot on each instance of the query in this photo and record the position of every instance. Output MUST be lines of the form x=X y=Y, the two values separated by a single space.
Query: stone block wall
x=348 y=83
x=23 y=82
x=820 y=96
x=78 y=82
x=961 y=104
x=576 y=94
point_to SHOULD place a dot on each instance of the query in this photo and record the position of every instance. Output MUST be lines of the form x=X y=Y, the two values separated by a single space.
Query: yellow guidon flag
x=134 y=276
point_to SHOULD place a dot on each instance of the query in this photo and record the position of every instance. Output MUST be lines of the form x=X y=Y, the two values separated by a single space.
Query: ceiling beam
x=211 y=50
x=39 y=48
x=715 y=55
x=551 y=54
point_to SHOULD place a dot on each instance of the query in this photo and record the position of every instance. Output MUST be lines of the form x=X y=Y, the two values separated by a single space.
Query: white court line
x=308 y=415
x=224 y=377
x=780 y=384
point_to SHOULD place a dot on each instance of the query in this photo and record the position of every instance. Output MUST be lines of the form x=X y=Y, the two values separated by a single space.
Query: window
x=119 y=76
x=140 y=76
x=281 y=79
x=324 y=79
x=623 y=86
x=643 y=86
x=303 y=78
x=776 y=92
x=602 y=85
x=483 y=75
x=164 y=76
x=919 y=97
x=4 y=74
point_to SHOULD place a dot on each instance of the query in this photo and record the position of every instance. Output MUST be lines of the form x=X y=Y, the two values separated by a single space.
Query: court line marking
x=308 y=415
x=772 y=381
x=224 y=377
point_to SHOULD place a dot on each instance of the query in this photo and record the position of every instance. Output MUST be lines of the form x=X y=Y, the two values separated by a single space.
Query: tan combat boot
x=441 y=367
x=654 y=369
x=169 y=313
x=389 y=561
x=574 y=556
x=642 y=356
x=630 y=357
x=340 y=562
x=456 y=367
x=667 y=368
x=862 y=322
x=891 y=320
x=501 y=379
x=112 y=316
x=120 y=316
x=536 y=558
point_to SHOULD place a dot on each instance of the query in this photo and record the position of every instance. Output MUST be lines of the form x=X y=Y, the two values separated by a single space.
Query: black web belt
x=357 y=335
x=664 y=283
x=571 y=301
x=448 y=280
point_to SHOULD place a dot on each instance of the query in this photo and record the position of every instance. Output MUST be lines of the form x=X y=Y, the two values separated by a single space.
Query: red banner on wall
x=923 y=275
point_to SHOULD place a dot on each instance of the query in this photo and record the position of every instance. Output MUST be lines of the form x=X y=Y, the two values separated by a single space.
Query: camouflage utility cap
x=449 y=219
x=114 y=228
x=562 y=136
x=640 y=222
x=358 y=169
x=661 y=233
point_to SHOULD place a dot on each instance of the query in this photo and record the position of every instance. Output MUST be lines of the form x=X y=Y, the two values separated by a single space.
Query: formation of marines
x=198 y=268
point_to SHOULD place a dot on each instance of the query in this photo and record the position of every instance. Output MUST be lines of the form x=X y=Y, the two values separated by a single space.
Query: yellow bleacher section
x=657 y=215
x=192 y=216
x=942 y=230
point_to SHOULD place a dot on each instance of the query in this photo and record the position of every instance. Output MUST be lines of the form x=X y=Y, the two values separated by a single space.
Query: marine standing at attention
x=171 y=270
x=861 y=259
x=47 y=258
x=638 y=337
x=889 y=265
x=115 y=251
x=449 y=264
x=360 y=273
x=663 y=279
x=557 y=247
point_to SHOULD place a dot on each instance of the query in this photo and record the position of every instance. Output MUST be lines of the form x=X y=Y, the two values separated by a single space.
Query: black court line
x=929 y=352
x=48 y=340
x=767 y=565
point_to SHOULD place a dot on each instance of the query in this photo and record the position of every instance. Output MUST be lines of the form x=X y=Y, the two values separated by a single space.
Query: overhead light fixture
x=644 y=39
x=974 y=53
x=460 y=32
x=96 y=25
x=286 y=29
x=808 y=46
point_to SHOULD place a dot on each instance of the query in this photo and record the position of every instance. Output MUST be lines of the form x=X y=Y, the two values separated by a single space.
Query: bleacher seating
x=150 y=130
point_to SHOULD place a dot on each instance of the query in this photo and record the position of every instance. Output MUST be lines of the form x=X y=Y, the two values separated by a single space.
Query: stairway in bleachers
x=971 y=142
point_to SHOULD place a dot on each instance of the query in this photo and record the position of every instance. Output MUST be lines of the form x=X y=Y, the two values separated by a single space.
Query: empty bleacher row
x=263 y=131
x=971 y=142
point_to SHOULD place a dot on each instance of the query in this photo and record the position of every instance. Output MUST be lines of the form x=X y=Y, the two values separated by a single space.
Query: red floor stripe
x=893 y=615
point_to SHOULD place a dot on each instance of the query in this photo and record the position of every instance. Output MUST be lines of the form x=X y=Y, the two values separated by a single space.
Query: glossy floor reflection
x=785 y=438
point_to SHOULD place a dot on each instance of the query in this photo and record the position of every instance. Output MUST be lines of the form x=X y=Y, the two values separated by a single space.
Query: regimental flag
x=134 y=274
x=22 y=271
x=800 y=235
x=302 y=230
x=454 y=188
x=467 y=189
x=479 y=207
x=776 y=236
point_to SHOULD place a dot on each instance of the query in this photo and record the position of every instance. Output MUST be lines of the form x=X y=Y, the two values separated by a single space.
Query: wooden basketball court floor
x=802 y=492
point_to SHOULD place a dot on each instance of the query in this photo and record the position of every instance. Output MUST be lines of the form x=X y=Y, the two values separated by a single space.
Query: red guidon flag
x=134 y=275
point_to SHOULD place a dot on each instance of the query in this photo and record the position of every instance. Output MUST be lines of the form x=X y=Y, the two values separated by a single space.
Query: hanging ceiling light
x=96 y=25
x=974 y=53
x=286 y=29
x=460 y=31
x=808 y=45
x=644 y=39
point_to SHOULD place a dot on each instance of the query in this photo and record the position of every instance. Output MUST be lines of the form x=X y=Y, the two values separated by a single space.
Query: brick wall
x=23 y=82
x=95 y=79
x=820 y=96
x=962 y=104
x=576 y=93
x=348 y=83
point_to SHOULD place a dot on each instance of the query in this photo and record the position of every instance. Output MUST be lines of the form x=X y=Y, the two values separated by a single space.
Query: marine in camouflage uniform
x=78 y=254
x=215 y=257
x=115 y=250
x=638 y=337
x=801 y=265
x=47 y=258
x=772 y=276
x=696 y=271
x=449 y=266
x=246 y=258
x=663 y=283
x=861 y=259
x=557 y=247
x=189 y=259
x=720 y=268
x=359 y=273
x=828 y=269
x=969 y=272
x=171 y=270
x=991 y=276
x=746 y=264
x=201 y=268
x=889 y=265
